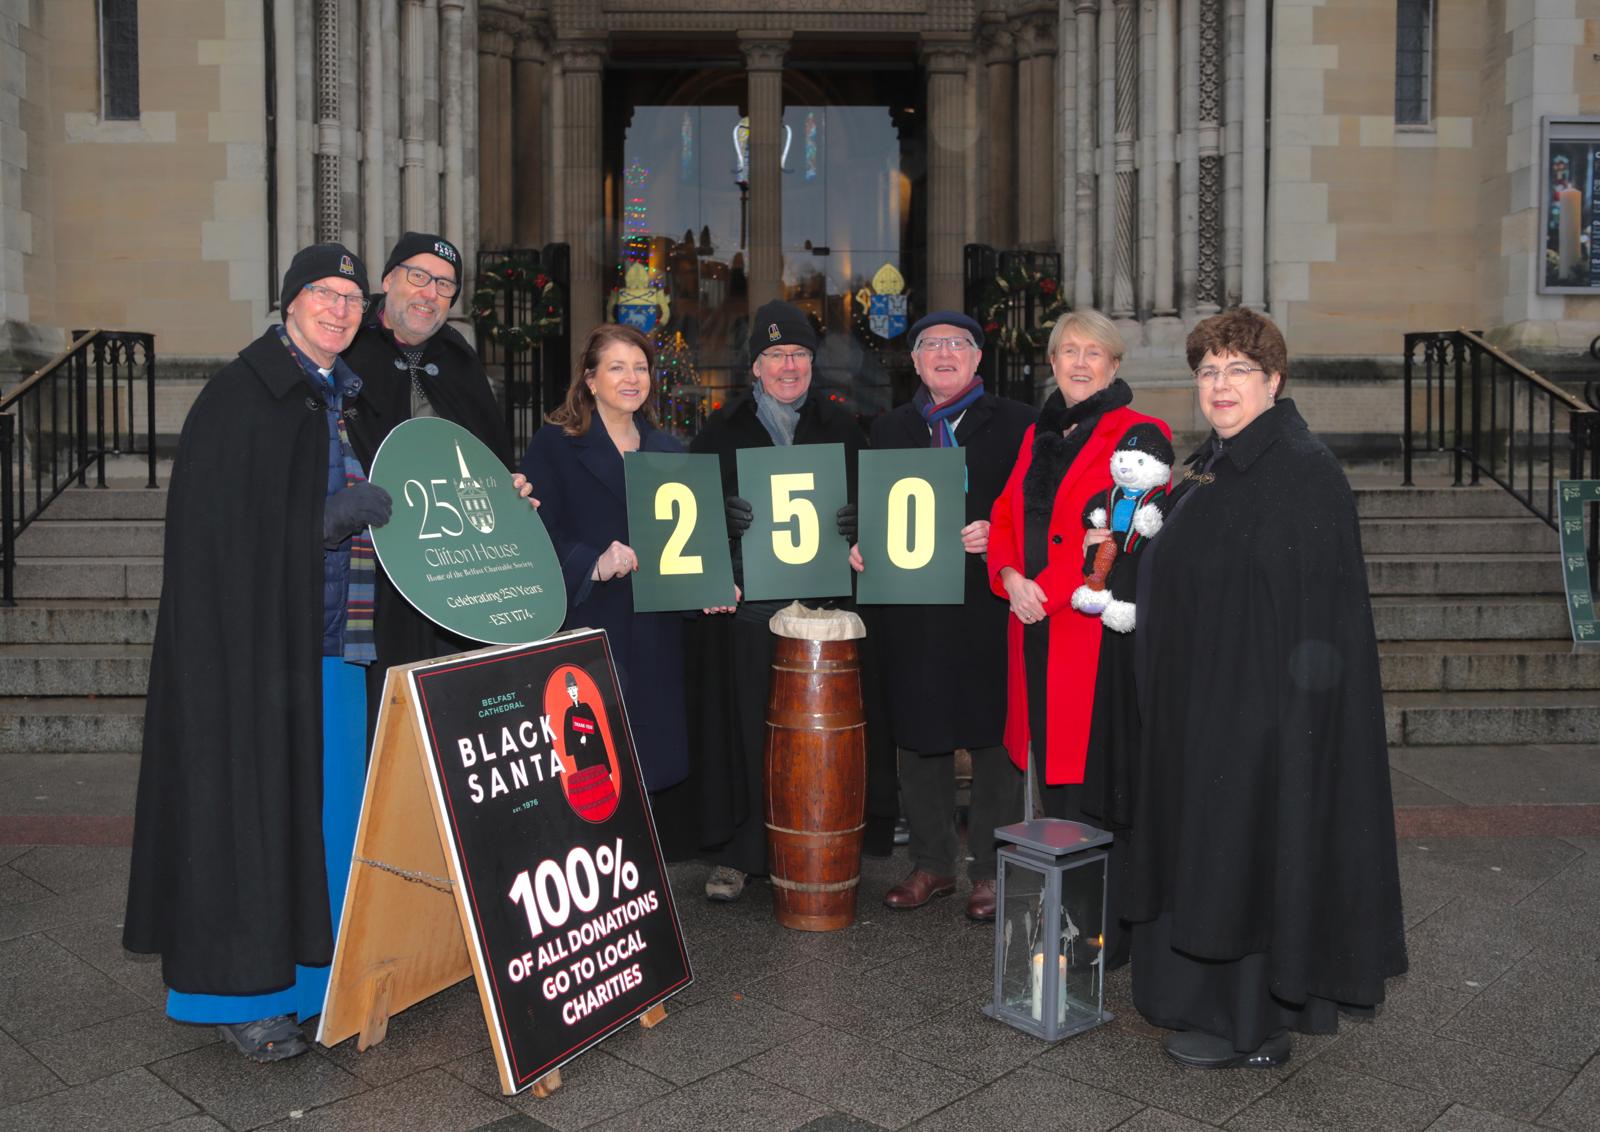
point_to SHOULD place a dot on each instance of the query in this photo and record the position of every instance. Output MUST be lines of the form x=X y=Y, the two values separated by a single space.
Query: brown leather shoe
x=917 y=889
x=980 y=905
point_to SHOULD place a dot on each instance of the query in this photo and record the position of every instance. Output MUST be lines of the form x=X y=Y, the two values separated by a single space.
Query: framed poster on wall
x=1569 y=175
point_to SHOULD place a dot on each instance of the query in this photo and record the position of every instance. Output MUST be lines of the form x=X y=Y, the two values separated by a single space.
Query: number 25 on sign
x=676 y=527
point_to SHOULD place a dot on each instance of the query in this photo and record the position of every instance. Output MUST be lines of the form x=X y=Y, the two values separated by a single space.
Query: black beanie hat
x=318 y=262
x=780 y=324
x=1147 y=438
x=948 y=318
x=426 y=243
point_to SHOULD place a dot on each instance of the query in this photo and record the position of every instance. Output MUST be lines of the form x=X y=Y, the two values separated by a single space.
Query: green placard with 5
x=676 y=527
x=793 y=547
x=462 y=546
x=913 y=506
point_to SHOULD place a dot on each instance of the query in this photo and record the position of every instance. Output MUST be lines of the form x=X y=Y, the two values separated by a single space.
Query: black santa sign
x=545 y=844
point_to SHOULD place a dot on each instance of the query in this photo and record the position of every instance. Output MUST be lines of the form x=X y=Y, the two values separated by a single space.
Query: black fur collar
x=1053 y=455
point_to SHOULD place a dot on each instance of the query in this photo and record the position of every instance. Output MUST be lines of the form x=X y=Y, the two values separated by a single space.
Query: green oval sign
x=462 y=546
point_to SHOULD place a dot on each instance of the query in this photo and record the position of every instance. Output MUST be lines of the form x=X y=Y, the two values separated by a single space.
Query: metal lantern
x=1049 y=928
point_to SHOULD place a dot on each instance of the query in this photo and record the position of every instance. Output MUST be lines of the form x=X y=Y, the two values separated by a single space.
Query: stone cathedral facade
x=1354 y=174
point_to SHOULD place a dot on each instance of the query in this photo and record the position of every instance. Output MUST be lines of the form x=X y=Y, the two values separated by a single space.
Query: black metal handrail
x=1499 y=419
x=70 y=414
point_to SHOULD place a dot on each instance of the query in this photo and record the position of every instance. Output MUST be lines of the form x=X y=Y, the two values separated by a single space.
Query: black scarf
x=1053 y=454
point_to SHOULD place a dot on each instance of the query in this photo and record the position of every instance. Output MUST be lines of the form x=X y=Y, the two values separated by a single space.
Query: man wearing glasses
x=255 y=738
x=945 y=665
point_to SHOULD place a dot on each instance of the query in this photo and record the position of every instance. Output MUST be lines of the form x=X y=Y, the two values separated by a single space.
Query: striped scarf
x=343 y=382
x=939 y=416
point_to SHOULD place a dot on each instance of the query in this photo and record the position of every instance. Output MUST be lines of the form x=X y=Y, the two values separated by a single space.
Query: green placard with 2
x=793 y=547
x=462 y=546
x=913 y=506
x=676 y=527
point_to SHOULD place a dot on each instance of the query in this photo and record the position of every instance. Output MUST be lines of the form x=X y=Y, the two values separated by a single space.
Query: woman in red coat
x=1036 y=558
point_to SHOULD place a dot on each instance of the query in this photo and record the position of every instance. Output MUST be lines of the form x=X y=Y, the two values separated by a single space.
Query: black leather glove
x=739 y=515
x=352 y=509
x=846 y=519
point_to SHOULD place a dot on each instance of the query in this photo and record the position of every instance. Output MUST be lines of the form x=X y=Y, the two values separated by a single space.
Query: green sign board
x=793 y=547
x=913 y=506
x=1574 y=559
x=676 y=527
x=462 y=545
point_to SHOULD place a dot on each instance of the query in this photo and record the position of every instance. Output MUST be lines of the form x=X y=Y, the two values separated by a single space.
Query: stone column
x=1164 y=304
x=1233 y=155
x=1189 y=160
x=1253 y=280
x=763 y=61
x=582 y=61
x=1000 y=137
x=1125 y=229
x=1145 y=144
x=495 y=45
x=373 y=86
x=945 y=56
x=1035 y=33
x=330 y=219
x=1208 y=218
x=452 y=94
x=413 y=138
x=1086 y=34
x=527 y=143
x=1106 y=120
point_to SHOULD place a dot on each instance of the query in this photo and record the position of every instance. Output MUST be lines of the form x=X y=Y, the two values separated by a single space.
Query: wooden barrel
x=816 y=782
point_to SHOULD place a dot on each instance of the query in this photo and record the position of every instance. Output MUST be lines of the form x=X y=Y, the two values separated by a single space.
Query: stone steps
x=71 y=723
x=1385 y=499
x=72 y=670
x=77 y=621
x=1439 y=617
x=116 y=501
x=1414 y=535
x=91 y=539
x=1457 y=719
x=1491 y=575
x=1474 y=665
x=93 y=578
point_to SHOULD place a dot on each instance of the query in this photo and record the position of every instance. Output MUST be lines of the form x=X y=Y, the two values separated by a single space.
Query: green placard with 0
x=913 y=506
x=462 y=546
x=793 y=547
x=676 y=527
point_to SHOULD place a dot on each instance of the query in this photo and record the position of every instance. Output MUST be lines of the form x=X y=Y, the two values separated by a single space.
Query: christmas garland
x=549 y=310
x=995 y=302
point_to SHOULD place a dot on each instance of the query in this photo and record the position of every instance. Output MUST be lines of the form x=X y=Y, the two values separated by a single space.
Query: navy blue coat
x=583 y=501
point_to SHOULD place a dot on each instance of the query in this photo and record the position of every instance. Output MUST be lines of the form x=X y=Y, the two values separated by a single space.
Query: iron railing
x=1017 y=372
x=68 y=415
x=534 y=368
x=1497 y=418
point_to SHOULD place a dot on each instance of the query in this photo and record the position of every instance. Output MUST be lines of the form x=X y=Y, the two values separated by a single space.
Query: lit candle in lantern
x=1570 y=242
x=1038 y=987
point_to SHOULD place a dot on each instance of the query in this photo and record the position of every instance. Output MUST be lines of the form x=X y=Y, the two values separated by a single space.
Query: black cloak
x=1262 y=800
x=228 y=882
x=945 y=665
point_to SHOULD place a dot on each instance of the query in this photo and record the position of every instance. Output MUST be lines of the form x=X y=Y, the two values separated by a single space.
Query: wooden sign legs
x=551 y=1081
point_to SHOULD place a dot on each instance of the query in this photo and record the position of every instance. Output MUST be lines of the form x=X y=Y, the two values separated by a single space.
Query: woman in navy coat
x=575 y=467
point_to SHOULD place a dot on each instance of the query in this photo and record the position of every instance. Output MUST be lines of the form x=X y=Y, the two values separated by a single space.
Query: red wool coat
x=1074 y=637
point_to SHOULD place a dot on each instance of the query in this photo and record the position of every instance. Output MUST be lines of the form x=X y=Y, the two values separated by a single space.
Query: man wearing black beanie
x=254 y=743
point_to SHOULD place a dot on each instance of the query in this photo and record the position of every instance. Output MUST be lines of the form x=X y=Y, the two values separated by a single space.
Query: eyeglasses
x=328 y=297
x=1233 y=375
x=445 y=287
x=787 y=357
x=954 y=345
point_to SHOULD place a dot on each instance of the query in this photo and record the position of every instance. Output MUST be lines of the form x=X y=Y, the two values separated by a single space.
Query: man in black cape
x=254 y=745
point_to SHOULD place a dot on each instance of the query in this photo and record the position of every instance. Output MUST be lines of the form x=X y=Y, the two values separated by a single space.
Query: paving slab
x=1576 y=1108
x=1407 y=790
x=99 y=944
x=18 y=889
x=860 y=1077
x=594 y=1087
x=103 y=901
x=1420 y=1003
x=45 y=990
x=23 y=1076
x=1325 y=1098
x=127 y=1101
x=108 y=1047
x=1499 y=775
x=432 y=1100
x=707 y=1038
x=1159 y=1120
x=847 y=1000
x=434 y=1032
x=965 y=1040
x=1460 y=1118
x=729 y=1100
x=244 y=1094
x=53 y=782
x=1467 y=945
x=68 y=869
x=1029 y=1099
x=1501 y=868
x=1547 y=1008
x=1454 y=1071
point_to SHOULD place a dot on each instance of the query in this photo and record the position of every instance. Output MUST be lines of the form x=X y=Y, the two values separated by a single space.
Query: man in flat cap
x=946 y=664
x=255 y=725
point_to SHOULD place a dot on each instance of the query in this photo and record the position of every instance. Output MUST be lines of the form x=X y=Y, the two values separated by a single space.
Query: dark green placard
x=462 y=546
x=913 y=506
x=1573 y=495
x=676 y=527
x=805 y=484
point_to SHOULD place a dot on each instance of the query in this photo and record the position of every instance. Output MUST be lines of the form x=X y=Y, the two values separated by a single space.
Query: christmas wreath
x=995 y=301
x=548 y=314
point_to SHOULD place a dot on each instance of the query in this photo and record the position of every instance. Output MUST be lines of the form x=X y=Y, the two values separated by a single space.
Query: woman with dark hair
x=1056 y=704
x=575 y=467
x=1265 y=887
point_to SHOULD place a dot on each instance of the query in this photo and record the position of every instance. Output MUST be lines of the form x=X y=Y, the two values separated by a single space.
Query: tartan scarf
x=939 y=416
x=342 y=382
